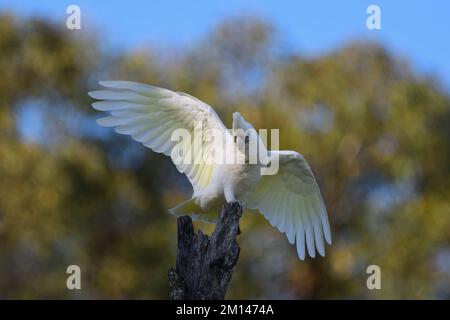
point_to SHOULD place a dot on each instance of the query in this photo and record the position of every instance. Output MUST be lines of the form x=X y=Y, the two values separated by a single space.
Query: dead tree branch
x=205 y=264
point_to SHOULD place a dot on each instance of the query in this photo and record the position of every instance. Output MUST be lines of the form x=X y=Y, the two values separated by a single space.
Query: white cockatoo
x=289 y=199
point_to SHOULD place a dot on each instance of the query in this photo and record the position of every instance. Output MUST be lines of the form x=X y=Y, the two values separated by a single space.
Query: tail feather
x=190 y=208
x=185 y=208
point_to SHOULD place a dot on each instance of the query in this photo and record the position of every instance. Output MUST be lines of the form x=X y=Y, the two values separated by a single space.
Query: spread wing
x=292 y=202
x=150 y=115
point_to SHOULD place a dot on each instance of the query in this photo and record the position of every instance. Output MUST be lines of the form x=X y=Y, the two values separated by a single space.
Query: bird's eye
x=246 y=139
x=235 y=139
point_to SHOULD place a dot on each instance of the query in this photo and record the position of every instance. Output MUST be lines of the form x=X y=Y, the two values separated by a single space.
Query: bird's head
x=242 y=131
x=246 y=138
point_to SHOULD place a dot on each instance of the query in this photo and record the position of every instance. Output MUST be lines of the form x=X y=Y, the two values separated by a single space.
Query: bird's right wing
x=292 y=202
x=150 y=115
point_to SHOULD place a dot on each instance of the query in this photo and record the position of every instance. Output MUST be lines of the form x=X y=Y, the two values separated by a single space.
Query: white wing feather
x=292 y=202
x=150 y=114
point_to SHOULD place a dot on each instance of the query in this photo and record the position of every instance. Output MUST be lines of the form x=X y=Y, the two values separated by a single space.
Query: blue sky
x=418 y=30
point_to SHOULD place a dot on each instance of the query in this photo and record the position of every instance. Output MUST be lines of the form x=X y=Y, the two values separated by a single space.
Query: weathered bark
x=205 y=264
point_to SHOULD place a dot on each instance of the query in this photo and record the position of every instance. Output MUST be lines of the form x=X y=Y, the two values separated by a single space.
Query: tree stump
x=205 y=264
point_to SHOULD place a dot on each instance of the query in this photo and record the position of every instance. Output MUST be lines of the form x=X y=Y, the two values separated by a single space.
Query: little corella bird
x=290 y=199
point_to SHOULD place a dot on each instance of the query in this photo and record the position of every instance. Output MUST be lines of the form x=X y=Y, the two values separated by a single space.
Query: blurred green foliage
x=375 y=132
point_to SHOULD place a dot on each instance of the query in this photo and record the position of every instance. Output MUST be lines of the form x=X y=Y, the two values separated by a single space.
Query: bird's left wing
x=292 y=202
x=151 y=114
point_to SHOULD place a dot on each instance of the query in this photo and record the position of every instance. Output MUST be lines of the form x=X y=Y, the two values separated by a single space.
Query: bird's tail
x=190 y=208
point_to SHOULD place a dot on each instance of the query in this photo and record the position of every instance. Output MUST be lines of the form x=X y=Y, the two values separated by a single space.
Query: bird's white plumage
x=150 y=114
x=292 y=202
x=290 y=199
